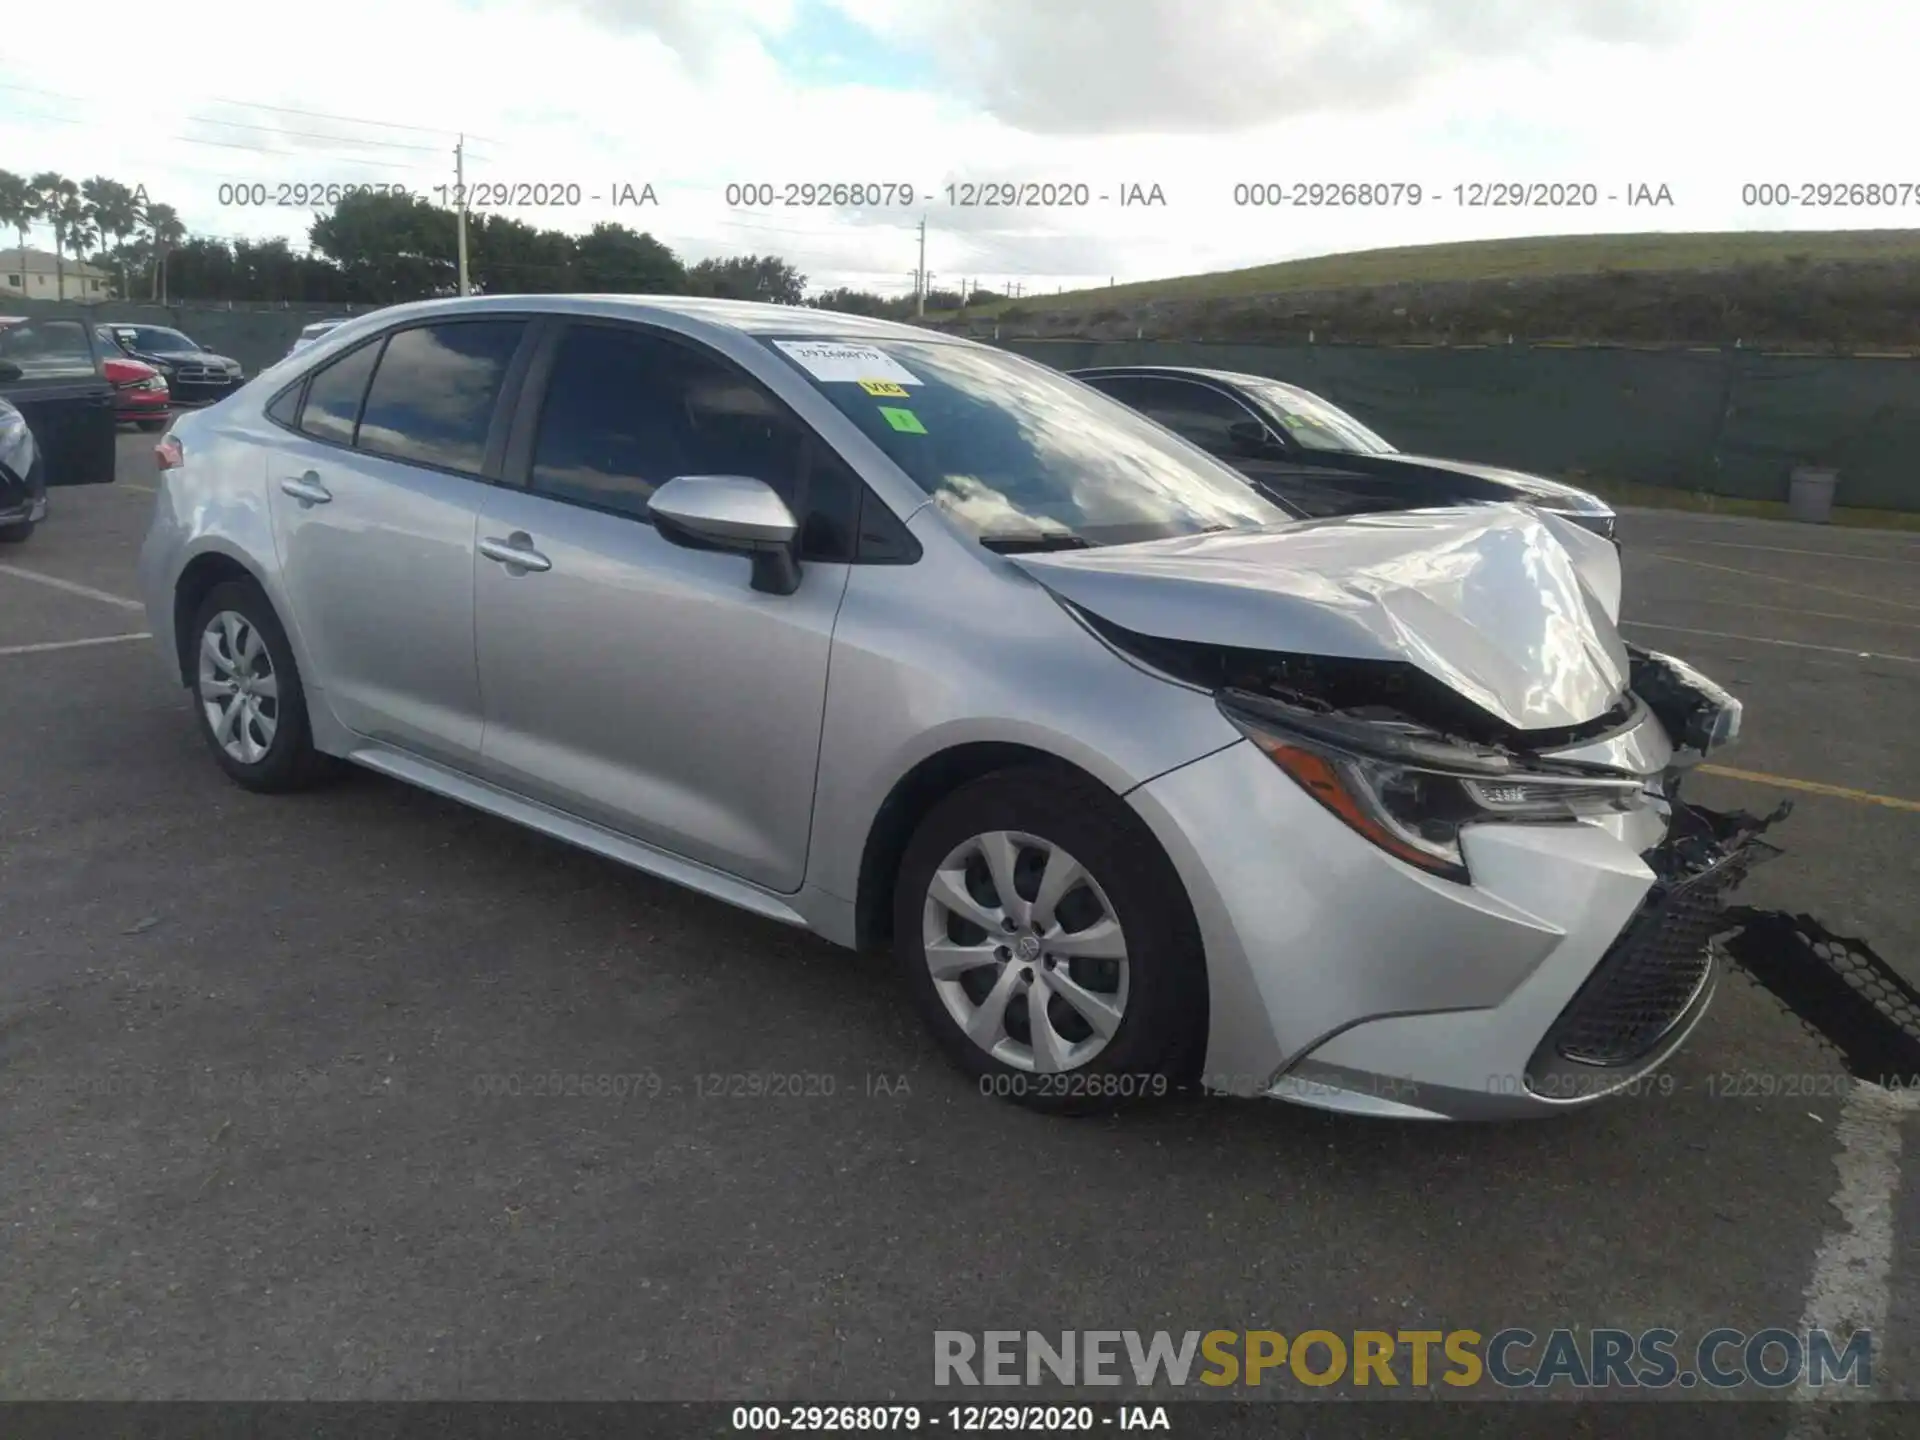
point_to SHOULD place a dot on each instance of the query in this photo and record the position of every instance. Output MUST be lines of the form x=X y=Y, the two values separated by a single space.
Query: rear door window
x=433 y=393
x=334 y=395
x=48 y=349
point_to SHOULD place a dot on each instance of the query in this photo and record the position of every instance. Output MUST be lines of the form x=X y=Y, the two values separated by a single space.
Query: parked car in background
x=194 y=374
x=1307 y=452
x=1141 y=777
x=310 y=333
x=140 y=392
x=56 y=426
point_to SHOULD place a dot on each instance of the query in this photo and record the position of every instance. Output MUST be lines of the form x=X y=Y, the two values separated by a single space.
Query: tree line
x=379 y=248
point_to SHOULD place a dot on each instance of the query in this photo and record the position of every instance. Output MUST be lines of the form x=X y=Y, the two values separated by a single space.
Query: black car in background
x=194 y=374
x=1309 y=454
x=56 y=417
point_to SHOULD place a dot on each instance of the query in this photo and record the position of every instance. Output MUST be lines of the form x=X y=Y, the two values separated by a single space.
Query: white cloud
x=695 y=94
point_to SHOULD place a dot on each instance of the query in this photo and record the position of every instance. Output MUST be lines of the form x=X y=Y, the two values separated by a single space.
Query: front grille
x=1652 y=973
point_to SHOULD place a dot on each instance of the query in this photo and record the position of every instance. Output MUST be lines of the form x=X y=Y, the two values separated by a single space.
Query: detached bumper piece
x=1843 y=992
x=1659 y=974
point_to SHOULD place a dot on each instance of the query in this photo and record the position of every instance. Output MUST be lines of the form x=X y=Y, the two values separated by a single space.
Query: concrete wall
x=255 y=335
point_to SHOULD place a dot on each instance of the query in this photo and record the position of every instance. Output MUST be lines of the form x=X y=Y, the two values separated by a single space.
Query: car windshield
x=1019 y=455
x=159 y=340
x=1312 y=422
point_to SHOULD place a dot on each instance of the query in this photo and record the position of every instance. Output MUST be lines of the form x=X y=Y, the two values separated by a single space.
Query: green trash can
x=1810 y=493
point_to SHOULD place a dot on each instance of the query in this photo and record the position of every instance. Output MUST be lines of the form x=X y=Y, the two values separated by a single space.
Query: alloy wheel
x=1026 y=951
x=239 y=692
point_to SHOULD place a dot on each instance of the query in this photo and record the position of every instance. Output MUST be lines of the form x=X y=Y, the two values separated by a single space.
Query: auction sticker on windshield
x=833 y=362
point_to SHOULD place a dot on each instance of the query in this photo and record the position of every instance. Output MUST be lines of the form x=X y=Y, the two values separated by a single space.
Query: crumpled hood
x=1512 y=608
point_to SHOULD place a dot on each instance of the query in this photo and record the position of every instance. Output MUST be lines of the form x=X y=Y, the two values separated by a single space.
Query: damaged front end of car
x=1410 y=765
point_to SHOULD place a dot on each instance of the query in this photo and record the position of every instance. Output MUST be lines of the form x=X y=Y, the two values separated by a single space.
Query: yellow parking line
x=1812 y=787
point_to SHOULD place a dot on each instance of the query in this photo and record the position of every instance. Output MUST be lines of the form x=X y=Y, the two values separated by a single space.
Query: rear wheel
x=1048 y=944
x=247 y=692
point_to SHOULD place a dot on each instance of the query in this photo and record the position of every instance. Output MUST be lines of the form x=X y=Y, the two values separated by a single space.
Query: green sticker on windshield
x=903 y=420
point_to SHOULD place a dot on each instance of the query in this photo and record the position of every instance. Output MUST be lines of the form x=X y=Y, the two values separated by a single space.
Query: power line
x=315 y=135
x=347 y=119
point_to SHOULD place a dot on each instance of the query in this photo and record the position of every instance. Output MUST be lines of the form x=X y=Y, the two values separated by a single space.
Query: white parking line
x=1782 y=580
x=1763 y=640
x=46 y=645
x=71 y=587
x=1850 y=1287
x=1789 y=550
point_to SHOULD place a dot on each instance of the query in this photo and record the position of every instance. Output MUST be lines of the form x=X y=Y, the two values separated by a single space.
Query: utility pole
x=460 y=209
x=920 y=281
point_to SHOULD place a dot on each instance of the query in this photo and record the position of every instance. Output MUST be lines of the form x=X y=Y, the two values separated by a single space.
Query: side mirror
x=9 y=371
x=735 y=513
x=1250 y=437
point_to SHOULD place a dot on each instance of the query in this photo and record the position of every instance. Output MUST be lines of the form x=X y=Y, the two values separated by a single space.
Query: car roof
x=1187 y=372
x=745 y=317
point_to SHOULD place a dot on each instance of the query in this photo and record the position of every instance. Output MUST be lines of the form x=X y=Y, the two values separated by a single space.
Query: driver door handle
x=516 y=552
x=307 y=488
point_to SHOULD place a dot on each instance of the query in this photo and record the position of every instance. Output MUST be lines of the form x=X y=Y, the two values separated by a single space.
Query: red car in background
x=140 y=394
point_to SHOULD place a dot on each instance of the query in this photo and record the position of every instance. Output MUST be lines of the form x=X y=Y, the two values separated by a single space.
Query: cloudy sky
x=1702 y=96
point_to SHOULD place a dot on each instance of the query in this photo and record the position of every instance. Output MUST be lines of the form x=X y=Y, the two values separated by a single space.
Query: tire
x=152 y=427
x=1158 y=990
x=18 y=534
x=285 y=758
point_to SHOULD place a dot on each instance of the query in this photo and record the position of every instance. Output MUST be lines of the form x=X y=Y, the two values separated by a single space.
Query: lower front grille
x=1650 y=976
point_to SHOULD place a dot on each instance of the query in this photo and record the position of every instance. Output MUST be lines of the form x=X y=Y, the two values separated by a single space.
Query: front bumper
x=1341 y=978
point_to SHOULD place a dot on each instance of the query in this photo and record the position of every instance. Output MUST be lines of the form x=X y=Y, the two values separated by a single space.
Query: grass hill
x=1835 y=289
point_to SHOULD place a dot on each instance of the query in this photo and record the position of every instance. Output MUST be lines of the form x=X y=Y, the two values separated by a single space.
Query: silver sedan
x=1145 y=781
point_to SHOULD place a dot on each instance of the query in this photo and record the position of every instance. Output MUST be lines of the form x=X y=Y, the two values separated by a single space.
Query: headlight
x=152 y=382
x=1412 y=793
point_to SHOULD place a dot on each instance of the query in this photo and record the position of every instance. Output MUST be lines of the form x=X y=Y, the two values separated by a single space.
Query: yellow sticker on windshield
x=883 y=387
x=903 y=420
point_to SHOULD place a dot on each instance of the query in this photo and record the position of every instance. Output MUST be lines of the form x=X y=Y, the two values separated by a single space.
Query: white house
x=32 y=274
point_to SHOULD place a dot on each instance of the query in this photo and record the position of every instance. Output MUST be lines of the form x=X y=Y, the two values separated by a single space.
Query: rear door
x=375 y=482
x=63 y=395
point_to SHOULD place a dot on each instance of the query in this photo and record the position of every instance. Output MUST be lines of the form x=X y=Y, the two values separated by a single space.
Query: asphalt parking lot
x=252 y=1142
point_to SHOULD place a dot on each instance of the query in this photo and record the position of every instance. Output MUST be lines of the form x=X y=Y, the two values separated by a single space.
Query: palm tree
x=55 y=190
x=166 y=231
x=19 y=208
x=117 y=214
x=77 y=219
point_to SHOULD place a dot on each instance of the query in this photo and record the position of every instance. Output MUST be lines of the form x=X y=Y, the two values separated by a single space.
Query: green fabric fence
x=1726 y=422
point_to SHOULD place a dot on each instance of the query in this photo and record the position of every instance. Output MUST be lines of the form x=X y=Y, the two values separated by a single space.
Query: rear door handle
x=307 y=488
x=516 y=552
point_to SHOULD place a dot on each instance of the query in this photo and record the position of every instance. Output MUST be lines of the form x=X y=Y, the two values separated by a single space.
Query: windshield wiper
x=1034 y=544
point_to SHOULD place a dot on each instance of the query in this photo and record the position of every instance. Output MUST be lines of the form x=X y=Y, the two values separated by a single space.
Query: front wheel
x=151 y=426
x=1048 y=944
x=17 y=534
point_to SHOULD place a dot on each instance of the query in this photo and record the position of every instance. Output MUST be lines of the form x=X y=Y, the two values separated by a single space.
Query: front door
x=631 y=681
